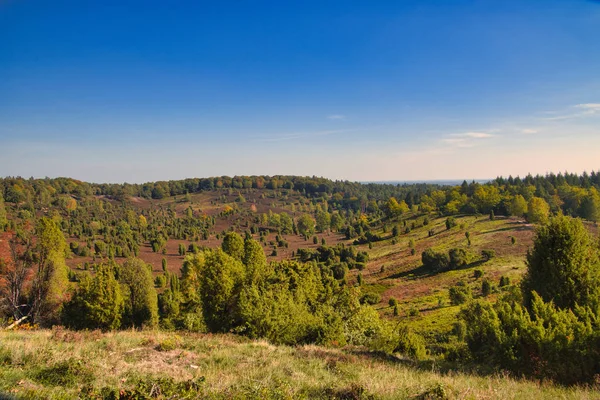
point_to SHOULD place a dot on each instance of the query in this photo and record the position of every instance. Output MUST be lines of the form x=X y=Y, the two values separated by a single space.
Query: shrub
x=488 y=254
x=459 y=294
x=410 y=344
x=168 y=344
x=486 y=288
x=551 y=343
x=370 y=298
x=450 y=223
x=434 y=261
x=477 y=274
x=459 y=257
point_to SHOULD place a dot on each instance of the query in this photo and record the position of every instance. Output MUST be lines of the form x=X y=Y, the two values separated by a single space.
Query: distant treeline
x=571 y=194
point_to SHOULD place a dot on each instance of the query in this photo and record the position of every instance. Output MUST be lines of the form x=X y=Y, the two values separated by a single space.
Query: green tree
x=305 y=225
x=220 y=282
x=141 y=304
x=564 y=265
x=486 y=197
x=323 y=221
x=337 y=222
x=50 y=282
x=97 y=303
x=3 y=219
x=233 y=244
x=517 y=206
x=254 y=260
x=286 y=223
x=589 y=208
x=537 y=210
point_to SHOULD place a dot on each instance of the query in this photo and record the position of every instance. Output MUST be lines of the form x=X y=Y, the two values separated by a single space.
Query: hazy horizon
x=413 y=91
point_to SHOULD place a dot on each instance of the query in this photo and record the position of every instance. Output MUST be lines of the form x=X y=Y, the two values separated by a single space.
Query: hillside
x=410 y=284
x=61 y=364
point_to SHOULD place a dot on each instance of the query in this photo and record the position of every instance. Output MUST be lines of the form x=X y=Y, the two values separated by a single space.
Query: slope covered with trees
x=426 y=271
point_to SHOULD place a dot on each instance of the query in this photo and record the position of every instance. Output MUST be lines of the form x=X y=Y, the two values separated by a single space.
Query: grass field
x=60 y=364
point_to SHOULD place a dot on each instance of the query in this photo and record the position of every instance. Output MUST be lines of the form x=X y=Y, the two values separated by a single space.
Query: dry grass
x=234 y=367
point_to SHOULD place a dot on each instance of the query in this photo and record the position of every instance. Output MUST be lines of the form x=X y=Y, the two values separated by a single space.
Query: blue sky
x=114 y=91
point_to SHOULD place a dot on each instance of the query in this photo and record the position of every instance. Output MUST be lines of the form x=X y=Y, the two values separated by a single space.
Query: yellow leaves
x=142 y=222
x=71 y=204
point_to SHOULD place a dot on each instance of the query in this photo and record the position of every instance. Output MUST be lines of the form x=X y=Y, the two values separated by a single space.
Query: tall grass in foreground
x=61 y=364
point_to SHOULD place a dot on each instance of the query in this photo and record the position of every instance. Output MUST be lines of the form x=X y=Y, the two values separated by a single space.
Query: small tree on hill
x=96 y=304
x=564 y=265
x=141 y=305
x=233 y=244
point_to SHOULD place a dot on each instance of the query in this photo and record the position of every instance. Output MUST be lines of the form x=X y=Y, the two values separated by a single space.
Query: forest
x=487 y=279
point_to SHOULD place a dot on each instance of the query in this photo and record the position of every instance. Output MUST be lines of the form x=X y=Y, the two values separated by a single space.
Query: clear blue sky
x=114 y=91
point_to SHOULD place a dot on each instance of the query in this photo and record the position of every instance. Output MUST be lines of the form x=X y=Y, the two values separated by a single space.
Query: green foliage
x=435 y=261
x=141 y=302
x=233 y=245
x=564 y=265
x=538 y=210
x=50 y=281
x=3 y=214
x=459 y=294
x=220 y=281
x=486 y=197
x=254 y=260
x=459 y=257
x=370 y=298
x=323 y=221
x=450 y=223
x=488 y=254
x=64 y=373
x=486 y=288
x=306 y=225
x=410 y=343
x=546 y=342
x=97 y=303
x=517 y=206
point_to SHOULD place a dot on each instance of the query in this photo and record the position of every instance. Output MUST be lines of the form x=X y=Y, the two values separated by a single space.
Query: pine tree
x=564 y=265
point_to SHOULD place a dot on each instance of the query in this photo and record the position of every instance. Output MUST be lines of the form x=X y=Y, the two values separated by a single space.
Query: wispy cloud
x=336 y=117
x=466 y=139
x=473 y=135
x=579 y=111
x=590 y=108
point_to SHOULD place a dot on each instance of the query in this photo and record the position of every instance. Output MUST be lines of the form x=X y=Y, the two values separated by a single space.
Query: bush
x=168 y=344
x=459 y=294
x=434 y=261
x=459 y=258
x=477 y=274
x=410 y=344
x=488 y=254
x=551 y=343
x=370 y=298
x=486 y=288
x=450 y=223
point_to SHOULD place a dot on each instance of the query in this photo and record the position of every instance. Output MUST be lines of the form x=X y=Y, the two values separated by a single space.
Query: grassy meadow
x=61 y=364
